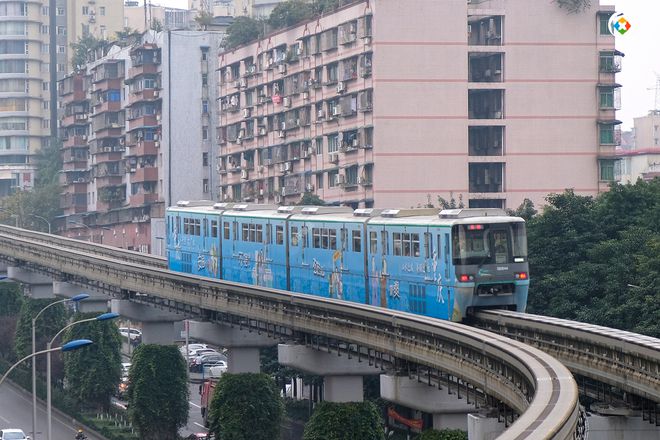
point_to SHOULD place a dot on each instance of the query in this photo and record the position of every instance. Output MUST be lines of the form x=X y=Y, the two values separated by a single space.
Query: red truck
x=206 y=391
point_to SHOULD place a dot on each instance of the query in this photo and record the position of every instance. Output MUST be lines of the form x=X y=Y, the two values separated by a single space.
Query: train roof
x=425 y=216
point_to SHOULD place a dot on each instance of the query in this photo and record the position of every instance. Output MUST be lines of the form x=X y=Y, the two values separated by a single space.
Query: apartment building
x=25 y=99
x=137 y=17
x=643 y=160
x=380 y=104
x=235 y=8
x=101 y=18
x=137 y=135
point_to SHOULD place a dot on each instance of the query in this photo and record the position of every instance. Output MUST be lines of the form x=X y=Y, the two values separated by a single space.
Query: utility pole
x=656 y=106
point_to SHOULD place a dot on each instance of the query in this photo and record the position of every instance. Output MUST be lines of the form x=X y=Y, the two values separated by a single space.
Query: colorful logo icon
x=618 y=24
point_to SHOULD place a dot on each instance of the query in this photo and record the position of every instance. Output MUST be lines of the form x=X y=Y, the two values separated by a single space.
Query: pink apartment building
x=395 y=102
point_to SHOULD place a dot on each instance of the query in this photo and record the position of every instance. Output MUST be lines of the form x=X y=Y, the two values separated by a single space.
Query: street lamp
x=76 y=298
x=73 y=222
x=103 y=317
x=72 y=345
x=41 y=218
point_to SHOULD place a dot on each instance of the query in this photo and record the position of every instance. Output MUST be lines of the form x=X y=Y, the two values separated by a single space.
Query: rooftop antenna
x=656 y=107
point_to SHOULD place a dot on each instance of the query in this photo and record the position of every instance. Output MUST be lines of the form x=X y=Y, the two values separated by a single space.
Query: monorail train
x=439 y=264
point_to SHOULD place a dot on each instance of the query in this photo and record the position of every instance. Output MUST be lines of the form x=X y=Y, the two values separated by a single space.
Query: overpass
x=538 y=393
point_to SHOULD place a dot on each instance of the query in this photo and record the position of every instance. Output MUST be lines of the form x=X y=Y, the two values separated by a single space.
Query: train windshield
x=494 y=243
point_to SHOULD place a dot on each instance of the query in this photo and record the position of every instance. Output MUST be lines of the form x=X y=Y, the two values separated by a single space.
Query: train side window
x=259 y=234
x=245 y=233
x=332 y=239
x=428 y=245
x=373 y=242
x=294 y=235
x=214 y=228
x=384 y=243
x=304 y=231
x=205 y=228
x=235 y=230
x=316 y=237
x=279 y=234
x=269 y=233
x=198 y=227
x=397 y=246
x=357 y=241
x=414 y=245
x=344 y=239
x=226 y=230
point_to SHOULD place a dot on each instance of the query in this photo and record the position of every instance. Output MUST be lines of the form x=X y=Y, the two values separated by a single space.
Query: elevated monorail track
x=488 y=367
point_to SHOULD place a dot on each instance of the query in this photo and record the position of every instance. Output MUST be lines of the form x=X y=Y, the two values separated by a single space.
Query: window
x=279 y=234
x=252 y=232
x=606 y=134
x=610 y=62
x=205 y=133
x=44 y=29
x=373 y=242
x=319 y=181
x=61 y=30
x=606 y=170
x=205 y=79
x=85 y=10
x=294 y=236
x=205 y=106
x=225 y=228
x=604 y=24
x=61 y=49
x=44 y=10
x=332 y=178
x=102 y=10
x=405 y=244
x=428 y=245
x=384 y=243
x=44 y=86
x=60 y=11
x=214 y=228
x=205 y=185
x=205 y=159
x=357 y=241
x=324 y=238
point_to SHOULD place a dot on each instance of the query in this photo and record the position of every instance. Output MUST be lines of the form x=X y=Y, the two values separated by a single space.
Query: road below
x=16 y=412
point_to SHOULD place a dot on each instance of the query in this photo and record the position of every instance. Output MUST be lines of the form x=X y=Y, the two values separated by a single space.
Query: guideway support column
x=97 y=301
x=448 y=411
x=40 y=286
x=342 y=377
x=242 y=345
x=157 y=325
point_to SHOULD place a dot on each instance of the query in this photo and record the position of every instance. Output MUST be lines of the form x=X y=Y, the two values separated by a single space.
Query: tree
x=345 y=421
x=574 y=6
x=49 y=323
x=290 y=12
x=204 y=19
x=156 y=25
x=246 y=406
x=128 y=37
x=525 y=210
x=451 y=204
x=83 y=48
x=11 y=300
x=93 y=374
x=242 y=31
x=309 y=198
x=158 y=391
x=445 y=434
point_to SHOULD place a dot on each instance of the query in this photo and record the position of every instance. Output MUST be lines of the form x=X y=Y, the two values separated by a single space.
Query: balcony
x=73 y=203
x=484 y=30
x=146 y=174
x=74 y=165
x=143 y=95
x=143 y=148
x=107 y=106
x=143 y=121
x=75 y=141
x=485 y=140
x=144 y=69
x=485 y=67
x=610 y=61
x=110 y=131
x=486 y=104
x=143 y=199
x=75 y=119
x=73 y=97
x=486 y=177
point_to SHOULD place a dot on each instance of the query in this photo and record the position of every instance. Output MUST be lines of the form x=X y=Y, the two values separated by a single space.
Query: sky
x=641 y=45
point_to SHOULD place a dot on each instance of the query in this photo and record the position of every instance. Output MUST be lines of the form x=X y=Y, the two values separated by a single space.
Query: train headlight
x=521 y=275
x=465 y=278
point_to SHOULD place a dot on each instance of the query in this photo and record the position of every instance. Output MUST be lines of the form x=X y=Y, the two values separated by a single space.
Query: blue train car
x=325 y=253
x=440 y=265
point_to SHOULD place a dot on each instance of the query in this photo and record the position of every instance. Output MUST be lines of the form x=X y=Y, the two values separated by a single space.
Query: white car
x=13 y=434
x=192 y=347
x=136 y=334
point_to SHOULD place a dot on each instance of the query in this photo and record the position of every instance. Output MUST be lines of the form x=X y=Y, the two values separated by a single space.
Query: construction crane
x=656 y=107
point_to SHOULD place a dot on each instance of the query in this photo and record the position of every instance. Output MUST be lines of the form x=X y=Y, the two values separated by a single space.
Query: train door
x=443 y=275
x=352 y=262
x=378 y=264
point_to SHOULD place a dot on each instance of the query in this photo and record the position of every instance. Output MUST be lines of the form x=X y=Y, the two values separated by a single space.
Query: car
x=192 y=347
x=136 y=334
x=125 y=367
x=13 y=434
x=205 y=360
x=194 y=354
x=217 y=369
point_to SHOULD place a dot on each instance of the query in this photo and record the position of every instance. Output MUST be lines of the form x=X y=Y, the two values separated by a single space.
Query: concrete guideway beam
x=226 y=336
x=157 y=325
x=243 y=360
x=342 y=377
x=448 y=410
x=38 y=286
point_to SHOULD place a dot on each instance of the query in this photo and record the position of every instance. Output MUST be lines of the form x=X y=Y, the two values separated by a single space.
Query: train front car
x=489 y=258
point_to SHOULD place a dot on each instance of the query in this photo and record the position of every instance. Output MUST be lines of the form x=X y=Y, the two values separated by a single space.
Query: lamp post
x=72 y=345
x=76 y=298
x=73 y=222
x=42 y=218
x=103 y=317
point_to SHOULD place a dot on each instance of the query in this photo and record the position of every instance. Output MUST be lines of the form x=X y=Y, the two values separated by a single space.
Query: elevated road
x=486 y=368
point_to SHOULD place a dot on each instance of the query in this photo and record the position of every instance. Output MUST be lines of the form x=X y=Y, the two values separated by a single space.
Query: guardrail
x=89 y=247
x=533 y=384
x=625 y=360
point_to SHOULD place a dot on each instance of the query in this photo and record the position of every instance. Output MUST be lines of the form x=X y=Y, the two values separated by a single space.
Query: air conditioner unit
x=246 y=113
x=158 y=117
x=320 y=114
x=239 y=141
x=340 y=179
x=81 y=180
x=261 y=192
x=281 y=69
x=299 y=49
x=305 y=96
x=341 y=87
x=334 y=158
x=121 y=141
x=155 y=93
x=360 y=180
x=244 y=174
x=287 y=166
x=355 y=143
x=282 y=134
x=262 y=131
x=156 y=137
x=286 y=102
x=252 y=69
x=107 y=149
x=283 y=191
x=237 y=84
x=132 y=170
x=157 y=144
x=309 y=187
x=336 y=111
x=283 y=126
x=84 y=137
x=243 y=83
